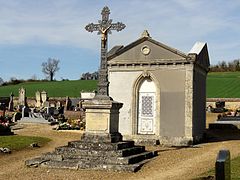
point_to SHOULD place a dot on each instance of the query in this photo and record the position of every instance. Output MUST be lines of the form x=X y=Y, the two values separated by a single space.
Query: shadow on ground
x=218 y=135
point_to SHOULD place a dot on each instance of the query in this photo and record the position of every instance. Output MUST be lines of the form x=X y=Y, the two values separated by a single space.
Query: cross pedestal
x=102 y=113
x=102 y=121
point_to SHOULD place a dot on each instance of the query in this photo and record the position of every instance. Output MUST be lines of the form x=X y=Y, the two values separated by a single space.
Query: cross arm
x=92 y=27
x=117 y=26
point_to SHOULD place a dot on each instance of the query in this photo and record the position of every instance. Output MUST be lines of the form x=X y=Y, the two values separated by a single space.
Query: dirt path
x=171 y=163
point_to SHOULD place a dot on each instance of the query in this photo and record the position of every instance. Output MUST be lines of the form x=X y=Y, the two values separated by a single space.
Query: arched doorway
x=146 y=107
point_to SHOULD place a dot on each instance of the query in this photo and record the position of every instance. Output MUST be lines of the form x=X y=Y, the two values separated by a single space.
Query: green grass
x=16 y=142
x=223 y=85
x=54 y=89
x=235 y=170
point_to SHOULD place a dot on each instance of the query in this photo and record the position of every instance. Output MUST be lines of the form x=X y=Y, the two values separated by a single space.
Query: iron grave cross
x=104 y=28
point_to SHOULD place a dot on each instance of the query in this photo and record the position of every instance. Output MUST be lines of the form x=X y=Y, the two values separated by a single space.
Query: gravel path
x=171 y=163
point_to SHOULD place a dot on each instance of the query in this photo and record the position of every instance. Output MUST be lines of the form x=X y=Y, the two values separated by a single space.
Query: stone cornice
x=150 y=63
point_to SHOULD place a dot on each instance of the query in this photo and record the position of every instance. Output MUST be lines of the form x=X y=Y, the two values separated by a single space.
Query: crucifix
x=104 y=27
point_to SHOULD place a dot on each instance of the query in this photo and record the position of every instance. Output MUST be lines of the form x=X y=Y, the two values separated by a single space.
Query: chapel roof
x=145 y=36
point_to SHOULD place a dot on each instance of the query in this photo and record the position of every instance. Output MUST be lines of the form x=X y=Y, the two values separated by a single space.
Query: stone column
x=189 y=102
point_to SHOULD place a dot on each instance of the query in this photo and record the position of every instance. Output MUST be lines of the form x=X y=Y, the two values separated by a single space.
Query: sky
x=31 y=31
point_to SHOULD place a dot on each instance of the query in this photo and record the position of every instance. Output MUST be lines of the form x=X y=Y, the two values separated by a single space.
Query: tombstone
x=50 y=110
x=58 y=105
x=38 y=99
x=25 y=111
x=68 y=104
x=22 y=97
x=2 y=109
x=11 y=105
x=44 y=96
x=163 y=91
x=16 y=116
x=220 y=104
x=46 y=104
x=52 y=105
x=223 y=165
x=61 y=110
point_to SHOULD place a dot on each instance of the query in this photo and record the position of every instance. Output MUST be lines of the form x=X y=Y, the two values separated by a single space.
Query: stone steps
x=100 y=159
x=101 y=146
x=69 y=151
x=138 y=160
x=84 y=154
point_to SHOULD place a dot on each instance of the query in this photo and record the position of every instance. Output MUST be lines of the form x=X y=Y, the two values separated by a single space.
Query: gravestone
x=46 y=104
x=50 y=110
x=53 y=105
x=68 y=104
x=58 y=105
x=16 y=116
x=38 y=99
x=101 y=146
x=11 y=105
x=222 y=165
x=44 y=96
x=2 y=109
x=22 y=97
x=25 y=112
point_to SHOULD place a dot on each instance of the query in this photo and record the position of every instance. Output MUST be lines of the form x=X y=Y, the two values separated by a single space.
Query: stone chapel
x=163 y=91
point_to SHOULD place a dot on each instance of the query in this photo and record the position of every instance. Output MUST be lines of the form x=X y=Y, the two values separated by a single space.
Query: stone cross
x=104 y=27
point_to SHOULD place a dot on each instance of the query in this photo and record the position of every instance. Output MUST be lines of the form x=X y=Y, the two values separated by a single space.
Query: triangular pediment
x=145 y=50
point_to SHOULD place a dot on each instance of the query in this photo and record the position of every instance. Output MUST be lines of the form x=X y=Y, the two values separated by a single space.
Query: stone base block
x=101 y=137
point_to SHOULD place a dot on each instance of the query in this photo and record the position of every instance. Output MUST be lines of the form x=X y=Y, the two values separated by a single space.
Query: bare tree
x=50 y=67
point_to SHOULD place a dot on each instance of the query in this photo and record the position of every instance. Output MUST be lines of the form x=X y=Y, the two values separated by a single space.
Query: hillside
x=54 y=89
x=219 y=85
x=223 y=85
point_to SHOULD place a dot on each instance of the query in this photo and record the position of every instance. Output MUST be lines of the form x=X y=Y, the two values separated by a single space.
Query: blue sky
x=31 y=31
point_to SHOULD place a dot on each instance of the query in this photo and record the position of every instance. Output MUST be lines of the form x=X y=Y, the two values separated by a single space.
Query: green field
x=54 y=89
x=219 y=85
x=20 y=142
x=223 y=85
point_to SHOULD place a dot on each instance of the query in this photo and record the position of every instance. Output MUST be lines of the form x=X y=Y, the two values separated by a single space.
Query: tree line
x=224 y=66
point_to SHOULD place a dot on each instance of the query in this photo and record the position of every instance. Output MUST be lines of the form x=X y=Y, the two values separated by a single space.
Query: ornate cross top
x=104 y=28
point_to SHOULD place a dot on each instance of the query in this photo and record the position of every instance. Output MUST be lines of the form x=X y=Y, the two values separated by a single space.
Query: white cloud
x=178 y=22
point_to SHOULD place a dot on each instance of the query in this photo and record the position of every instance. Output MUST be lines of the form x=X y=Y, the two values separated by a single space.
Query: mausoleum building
x=163 y=91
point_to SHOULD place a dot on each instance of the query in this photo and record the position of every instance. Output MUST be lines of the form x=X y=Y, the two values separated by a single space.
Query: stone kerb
x=222 y=165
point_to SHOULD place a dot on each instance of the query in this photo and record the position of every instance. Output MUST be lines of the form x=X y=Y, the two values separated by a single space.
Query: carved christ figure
x=104 y=35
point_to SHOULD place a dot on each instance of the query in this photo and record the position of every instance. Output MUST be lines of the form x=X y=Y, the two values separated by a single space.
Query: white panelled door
x=146 y=107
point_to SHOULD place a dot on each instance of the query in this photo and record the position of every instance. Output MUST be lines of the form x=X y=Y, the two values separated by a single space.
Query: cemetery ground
x=171 y=162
